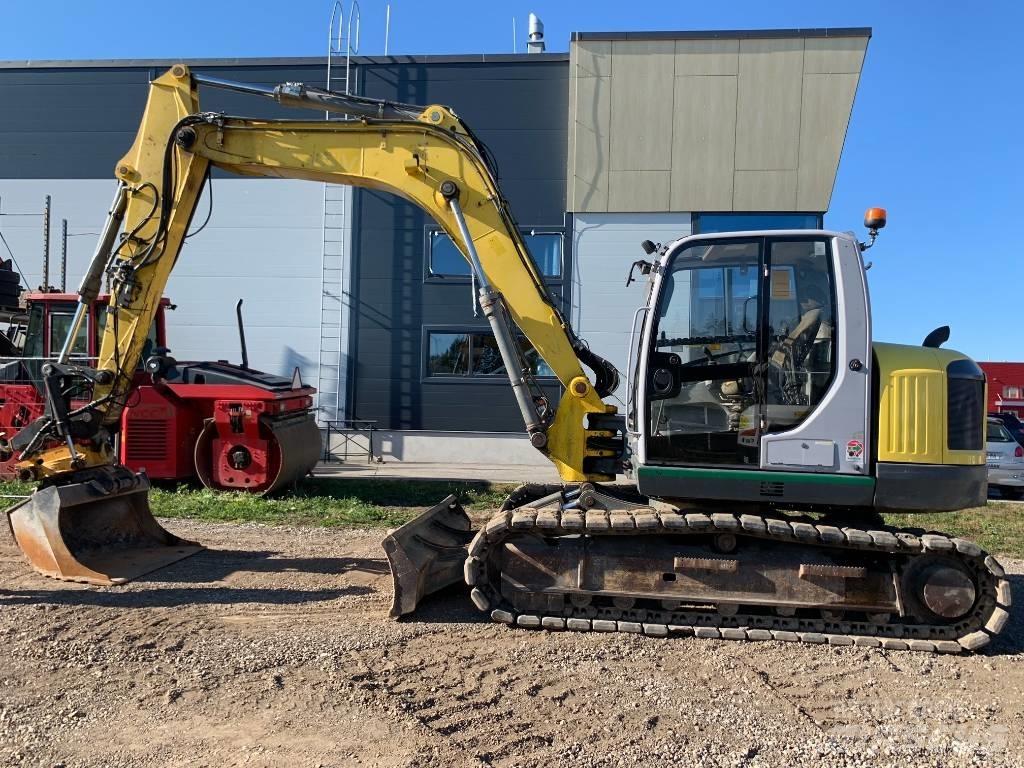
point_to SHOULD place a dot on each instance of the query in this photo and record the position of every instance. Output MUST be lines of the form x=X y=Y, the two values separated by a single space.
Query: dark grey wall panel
x=519 y=111
x=77 y=123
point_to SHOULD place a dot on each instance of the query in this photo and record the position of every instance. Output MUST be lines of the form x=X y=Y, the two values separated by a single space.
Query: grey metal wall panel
x=843 y=55
x=822 y=106
x=766 y=190
x=768 y=104
x=707 y=57
x=704 y=143
x=733 y=118
x=641 y=136
x=638 y=190
x=262 y=245
x=604 y=247
x=589 y=140
x=591 y=58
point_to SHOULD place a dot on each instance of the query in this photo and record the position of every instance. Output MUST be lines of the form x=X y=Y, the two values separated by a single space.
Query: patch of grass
x=330 y=503
x=317 y=502
x=339 y=502
x=997 y=527
x=15 y=488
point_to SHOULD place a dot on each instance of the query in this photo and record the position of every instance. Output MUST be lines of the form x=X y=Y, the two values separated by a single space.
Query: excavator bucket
x=427 y=554
x=95 y=532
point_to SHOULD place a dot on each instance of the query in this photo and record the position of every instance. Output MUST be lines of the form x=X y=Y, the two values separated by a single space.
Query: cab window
x=60 y=324
x=34 y=334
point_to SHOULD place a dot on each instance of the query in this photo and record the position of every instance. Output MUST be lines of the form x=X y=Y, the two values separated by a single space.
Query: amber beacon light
x=874 y=219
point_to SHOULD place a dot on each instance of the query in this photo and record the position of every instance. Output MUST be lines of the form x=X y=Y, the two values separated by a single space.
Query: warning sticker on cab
x=854 y=450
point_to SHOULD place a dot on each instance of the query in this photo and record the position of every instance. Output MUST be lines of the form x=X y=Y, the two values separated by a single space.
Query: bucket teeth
x=99 y=531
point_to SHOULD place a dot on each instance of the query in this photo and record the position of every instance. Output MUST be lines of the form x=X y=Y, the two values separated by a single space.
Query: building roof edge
x=726 y=34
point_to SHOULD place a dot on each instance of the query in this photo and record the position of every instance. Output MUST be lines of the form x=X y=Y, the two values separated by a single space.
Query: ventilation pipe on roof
x=536 y=41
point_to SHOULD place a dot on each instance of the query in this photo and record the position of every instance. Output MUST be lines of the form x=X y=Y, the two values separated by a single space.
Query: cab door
x=699 y=383
x=818 y=357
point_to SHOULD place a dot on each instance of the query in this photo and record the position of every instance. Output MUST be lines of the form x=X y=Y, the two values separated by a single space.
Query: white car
x=1005 y=458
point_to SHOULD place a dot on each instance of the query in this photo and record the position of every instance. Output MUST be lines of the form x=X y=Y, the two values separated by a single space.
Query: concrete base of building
x=511 y=474
x=494 y=449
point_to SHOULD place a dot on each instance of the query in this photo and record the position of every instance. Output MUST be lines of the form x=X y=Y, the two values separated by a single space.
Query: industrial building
x=1005 y=387
x=628 y=136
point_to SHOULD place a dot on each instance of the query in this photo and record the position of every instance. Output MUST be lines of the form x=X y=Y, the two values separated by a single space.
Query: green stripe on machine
x=697 y=473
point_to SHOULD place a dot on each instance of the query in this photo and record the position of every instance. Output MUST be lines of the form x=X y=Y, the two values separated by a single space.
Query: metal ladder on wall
x=343 y=42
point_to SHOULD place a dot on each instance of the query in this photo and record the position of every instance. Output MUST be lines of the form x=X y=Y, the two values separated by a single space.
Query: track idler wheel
x=98 y=531
x=940 y=588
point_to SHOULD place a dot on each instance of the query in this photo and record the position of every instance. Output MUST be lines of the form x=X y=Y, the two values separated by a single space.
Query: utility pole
x=63 y=255
x=46 y=244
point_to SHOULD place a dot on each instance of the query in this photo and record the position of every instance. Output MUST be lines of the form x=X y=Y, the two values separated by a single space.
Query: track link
x=570 y=517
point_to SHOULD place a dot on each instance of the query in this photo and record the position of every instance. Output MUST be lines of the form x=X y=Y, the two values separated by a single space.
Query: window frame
x=469 y=378
x=837 y=320
x=669 y=270
x=55 y=344
x=36 y=328
x=434 y=278
x=695 y=220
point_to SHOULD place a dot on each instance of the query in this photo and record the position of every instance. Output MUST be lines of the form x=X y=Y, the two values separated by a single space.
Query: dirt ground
x=273 y=648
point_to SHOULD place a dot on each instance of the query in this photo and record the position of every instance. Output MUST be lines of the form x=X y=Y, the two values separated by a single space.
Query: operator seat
x=797 y=344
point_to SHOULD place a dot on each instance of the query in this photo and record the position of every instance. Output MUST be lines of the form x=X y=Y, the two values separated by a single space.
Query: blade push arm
x=430 y=159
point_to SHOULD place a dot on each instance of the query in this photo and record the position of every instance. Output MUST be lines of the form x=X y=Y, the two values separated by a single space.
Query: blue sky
x=936 y=135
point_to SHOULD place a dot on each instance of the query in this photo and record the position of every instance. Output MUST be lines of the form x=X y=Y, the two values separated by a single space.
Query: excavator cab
x=739 y=354
x=757 y=379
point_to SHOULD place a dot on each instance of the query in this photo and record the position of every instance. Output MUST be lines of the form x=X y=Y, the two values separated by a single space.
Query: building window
x=1011 y=393
x=445 y=260
x=706 y=223
x=474 y=354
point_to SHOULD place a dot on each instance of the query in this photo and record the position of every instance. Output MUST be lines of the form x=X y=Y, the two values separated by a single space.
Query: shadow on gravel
x=217 y=564
x=1011 y=640
x=451 y=604
x=173 y=598
x=203 y=570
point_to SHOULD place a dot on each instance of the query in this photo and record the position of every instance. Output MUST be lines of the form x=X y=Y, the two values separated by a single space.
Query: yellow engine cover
x=913 y=406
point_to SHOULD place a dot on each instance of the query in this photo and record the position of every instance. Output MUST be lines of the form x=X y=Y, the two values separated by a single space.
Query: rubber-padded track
x=971 y=633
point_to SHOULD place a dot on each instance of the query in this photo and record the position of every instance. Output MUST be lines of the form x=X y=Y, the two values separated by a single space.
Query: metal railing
x=350 y=431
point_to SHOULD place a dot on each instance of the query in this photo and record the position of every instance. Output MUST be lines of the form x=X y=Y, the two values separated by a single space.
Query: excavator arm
x=425 y=155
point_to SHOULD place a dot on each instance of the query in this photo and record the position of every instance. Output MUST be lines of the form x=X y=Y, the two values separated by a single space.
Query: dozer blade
x=427 y=554
x=98 y=532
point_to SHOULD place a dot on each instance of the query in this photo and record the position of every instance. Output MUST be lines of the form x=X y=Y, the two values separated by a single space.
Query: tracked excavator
x=765 y=431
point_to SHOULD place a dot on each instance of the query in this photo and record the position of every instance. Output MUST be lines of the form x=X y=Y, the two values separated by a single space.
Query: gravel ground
x=274 y=649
